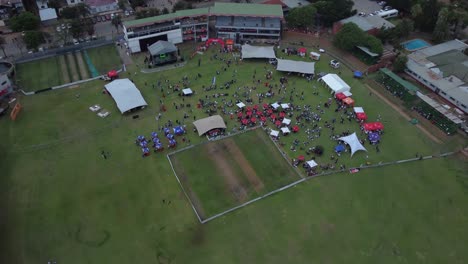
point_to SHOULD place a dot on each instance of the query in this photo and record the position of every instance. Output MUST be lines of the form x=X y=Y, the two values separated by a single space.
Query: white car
x=75 y=42
x=58 y=29
x=335 y=64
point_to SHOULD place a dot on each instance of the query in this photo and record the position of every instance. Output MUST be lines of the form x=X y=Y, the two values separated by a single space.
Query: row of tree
x=324 y=12
x=351 y=36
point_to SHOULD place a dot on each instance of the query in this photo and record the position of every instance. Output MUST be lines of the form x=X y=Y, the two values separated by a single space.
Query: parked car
x=94 y=20
x=362 y=14
x=382 y=3
x=58 y=29
x=75 y=42
x=98 y=19
x=386 y=8
x=127 y=13
x=335 y=64
x=272 y=61
x=107 y=17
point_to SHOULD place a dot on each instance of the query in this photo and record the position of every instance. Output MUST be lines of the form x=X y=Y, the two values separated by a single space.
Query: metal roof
x=161 y=47
x=167 y=17
x=368 y=23
x=408 y=86
x=243 y=9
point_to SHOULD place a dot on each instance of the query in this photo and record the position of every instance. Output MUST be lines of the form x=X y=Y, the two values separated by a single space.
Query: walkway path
x=407 y=117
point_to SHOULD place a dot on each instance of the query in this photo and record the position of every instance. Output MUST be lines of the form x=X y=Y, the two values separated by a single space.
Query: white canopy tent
x=125 y=94
x=274 y=133
x=285 y=130
x=353 y=141
x=347 y=93
x=312 y=163
x=240 y=105
x=249 y=51
x=275 y=105
x=286 y=121
x=187 y=91
x=358 y=110
x=285 y=106
x=335 y=83
x=296 y=66
x=208 y=123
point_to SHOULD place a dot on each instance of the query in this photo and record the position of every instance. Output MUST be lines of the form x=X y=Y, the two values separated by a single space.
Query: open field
x=39 y=74
x=45 y=73
x=222 y=174
x=61 y=200
x=105 y=58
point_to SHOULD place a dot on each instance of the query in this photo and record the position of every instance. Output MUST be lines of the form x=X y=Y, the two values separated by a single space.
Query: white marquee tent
x=312 y=163
x=275 y=105
x=353 y=141
x=285 y=130
x=358 y=110
x=335 y=83
x=274 y=133
x=249 y=51
x=296 y=66
x=187 y=91
x=240 y=105
x=286 y=121
x=285 y=106
x=125 y=94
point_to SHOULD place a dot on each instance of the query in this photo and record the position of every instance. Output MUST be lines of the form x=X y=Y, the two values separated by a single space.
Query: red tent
x=245 y=121
x=282 y=114
x=340 y=96
x=348 y=101
x=302 y=50
x=373 y=126
x=295 y=129
x=249 y=113
x=263 y=119
x=273 y=116
x=270 y=111
x=265 y=106
x=301 y=158
x=361 y=116
x=113 y=74
x=278 y=123
x=253 y=120
x=255 y=107
x=239 y=114
x=248 y=109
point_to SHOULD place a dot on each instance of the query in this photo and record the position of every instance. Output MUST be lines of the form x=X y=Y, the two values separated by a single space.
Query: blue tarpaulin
x=339 y=148
x=178 y=130
x=358 y=74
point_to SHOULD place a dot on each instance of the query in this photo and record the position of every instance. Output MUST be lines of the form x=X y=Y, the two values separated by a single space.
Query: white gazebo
x=335 y=83
x=285 y=130
x=286 y=121
x=312 y=163
x=240 y=105
x=126 y=95
x=285 y=106
x=274 y=133
x=275 y=105
x=187 y=91
x=358 y=110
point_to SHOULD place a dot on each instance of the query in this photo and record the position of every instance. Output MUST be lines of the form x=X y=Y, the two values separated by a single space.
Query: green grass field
x=222 y=174
x=61 y=200
x=45 y=73
x=105 y=58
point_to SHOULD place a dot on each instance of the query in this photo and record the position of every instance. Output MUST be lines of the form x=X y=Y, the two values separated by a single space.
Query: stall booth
x=314 y=56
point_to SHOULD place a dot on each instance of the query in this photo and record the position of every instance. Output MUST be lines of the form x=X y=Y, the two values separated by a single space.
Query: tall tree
x=24 y=21
x=33 y=39
x=2 y=45
x=404 y=28
x=116 y=21
x=348 y=37
x=331 y=11
x=399 y=64
x=441 y=30
x=301 y=17
x=427 y=18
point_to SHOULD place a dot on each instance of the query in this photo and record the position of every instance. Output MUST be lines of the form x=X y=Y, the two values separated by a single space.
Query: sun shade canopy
x=296 y=66
x=249 y=51
x=206 y=124
x=335 y=83
x=353 y=141
x=125 y=94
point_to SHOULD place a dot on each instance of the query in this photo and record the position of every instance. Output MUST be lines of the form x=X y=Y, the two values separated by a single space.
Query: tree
x=78 y=11
x=135 y=3
x=121 y=4
x=399 y=64
x=24 y=21
x=165 y=11
x=404 y=28
x=441 y=31
x=77 y=29
x=147 y=13
x=181 y=5
x=349 y=37
x=2 y=43
x=116 y=21
x=301 y=17
x=374 y=44
x=331 y=11
x=402 y=5
x=33 y=39
x=426 y=18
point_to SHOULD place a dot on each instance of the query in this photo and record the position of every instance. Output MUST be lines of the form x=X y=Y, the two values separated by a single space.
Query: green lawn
x=39 y=74
x=105 y=58
x=61 y=200
x=209 y=190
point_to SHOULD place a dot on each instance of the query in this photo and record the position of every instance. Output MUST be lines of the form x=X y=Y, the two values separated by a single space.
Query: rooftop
x=47 y=14
x=242 y=9
x=453 y=62
x=92 y=3
x=167 y=17
x=368 y=23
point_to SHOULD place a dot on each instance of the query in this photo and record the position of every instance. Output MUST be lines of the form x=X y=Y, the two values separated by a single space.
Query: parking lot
x=366 y=6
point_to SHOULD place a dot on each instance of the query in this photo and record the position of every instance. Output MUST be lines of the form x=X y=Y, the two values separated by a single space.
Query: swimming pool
x=415 y=44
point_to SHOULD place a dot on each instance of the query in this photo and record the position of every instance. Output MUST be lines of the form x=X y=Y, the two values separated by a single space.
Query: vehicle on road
x=335 y=64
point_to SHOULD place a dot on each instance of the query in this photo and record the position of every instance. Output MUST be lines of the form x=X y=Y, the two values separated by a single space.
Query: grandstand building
x=239 y=22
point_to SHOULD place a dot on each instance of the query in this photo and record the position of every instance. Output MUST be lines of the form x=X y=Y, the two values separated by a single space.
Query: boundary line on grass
x=380 y=164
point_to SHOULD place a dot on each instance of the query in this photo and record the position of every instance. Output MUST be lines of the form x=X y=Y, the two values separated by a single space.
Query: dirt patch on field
x=82 y=66
x=186 y=185
x=64 y=69
x=249 y=172
x=218 y=155
x=72 y=66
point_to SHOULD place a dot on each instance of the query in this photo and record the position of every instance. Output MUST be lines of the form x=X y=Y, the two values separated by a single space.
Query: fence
x=53 y=52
